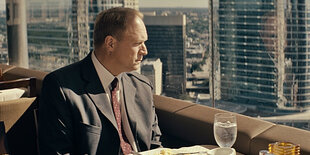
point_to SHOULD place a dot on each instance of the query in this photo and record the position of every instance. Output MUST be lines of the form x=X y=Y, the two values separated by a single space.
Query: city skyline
x=157 y=3
x=174 y=3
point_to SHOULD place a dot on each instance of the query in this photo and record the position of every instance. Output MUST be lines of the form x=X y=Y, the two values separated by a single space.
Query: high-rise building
x=60 y=31
x=107 y=4
x=131 y=4
x=3 y=39
x=80 y=29
x=297 y=51
x=166 y=37
x=152 y=68
x=38 y=10
x=50 y=34
x=262 y=48
x=3 y=50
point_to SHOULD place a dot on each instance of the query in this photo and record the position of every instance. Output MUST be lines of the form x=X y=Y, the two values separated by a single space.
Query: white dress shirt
x=106 y=78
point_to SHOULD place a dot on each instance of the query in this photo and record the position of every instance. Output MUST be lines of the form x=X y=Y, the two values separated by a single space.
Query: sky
x=158 y=3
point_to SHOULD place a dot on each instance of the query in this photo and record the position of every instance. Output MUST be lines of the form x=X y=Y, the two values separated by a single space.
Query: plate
x=222 y=151
x=192 y=150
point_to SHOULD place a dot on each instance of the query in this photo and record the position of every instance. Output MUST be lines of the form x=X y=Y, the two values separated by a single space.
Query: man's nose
x=143 y=49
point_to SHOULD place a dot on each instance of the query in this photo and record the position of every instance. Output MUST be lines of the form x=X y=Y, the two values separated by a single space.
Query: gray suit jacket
x=76 y=117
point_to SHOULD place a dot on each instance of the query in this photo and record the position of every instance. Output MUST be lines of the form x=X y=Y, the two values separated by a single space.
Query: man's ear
x=109 y=42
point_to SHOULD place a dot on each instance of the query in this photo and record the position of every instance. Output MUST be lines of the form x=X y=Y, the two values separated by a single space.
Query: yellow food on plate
x=166 y=152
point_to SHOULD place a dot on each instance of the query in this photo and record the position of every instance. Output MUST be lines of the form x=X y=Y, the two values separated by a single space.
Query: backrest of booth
x=12 y=72
x=192 y=124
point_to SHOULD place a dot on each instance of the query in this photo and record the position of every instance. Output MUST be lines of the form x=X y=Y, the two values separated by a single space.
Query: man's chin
x=136 y=67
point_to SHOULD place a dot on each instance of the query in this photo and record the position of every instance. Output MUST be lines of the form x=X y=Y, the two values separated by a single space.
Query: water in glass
x=225 y=129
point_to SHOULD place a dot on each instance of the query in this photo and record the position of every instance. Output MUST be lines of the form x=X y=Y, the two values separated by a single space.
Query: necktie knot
x=114 y=83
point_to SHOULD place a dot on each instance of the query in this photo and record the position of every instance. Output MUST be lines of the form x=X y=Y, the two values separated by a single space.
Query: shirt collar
x=104 y=75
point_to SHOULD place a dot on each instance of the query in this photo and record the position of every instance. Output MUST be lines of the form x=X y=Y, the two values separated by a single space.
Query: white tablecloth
x=11 y=94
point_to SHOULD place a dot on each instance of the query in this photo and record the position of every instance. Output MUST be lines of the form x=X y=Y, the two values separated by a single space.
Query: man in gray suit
x=97 y=105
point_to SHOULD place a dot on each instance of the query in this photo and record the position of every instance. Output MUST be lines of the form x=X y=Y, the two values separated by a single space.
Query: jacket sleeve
x=55 y=126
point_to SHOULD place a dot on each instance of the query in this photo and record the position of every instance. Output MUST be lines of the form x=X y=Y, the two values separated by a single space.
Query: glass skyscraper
x=166 y=40
x=298 y=51
x=51 y=33
x=263 y=54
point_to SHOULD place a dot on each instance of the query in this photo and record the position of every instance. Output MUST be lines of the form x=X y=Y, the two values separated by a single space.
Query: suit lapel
x=129 y=92
x=95 y=90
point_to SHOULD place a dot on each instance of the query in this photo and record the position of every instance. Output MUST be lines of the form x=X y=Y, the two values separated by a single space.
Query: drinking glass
x=225 y=129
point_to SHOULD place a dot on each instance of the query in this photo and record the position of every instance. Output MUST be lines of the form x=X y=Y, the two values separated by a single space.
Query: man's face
x=130 y=49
